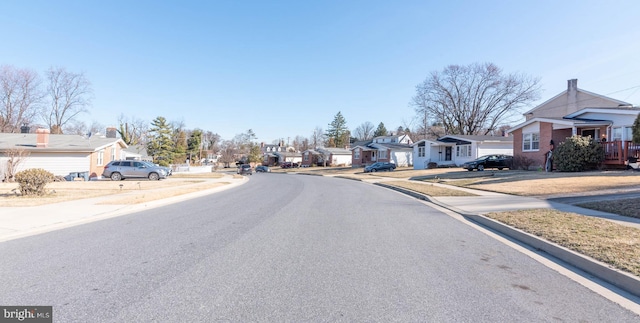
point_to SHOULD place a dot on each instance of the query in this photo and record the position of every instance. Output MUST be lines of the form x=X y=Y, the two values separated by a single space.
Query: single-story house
x=281 y=157
x=455 y=150
x=61 y=154
x=334 y=156
x=136 y=152
x=577 y=112
x=395 y=149
x=326 y=157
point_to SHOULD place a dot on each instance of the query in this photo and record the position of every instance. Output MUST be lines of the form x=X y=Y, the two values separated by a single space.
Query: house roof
x=630 y=110
x=56 y=143
x=392 y=146
x=335 y=151
x=138 y=149
x=562 y=122
x=287 y=154
x=581 y=91
x=477 y=138
x=425 y=141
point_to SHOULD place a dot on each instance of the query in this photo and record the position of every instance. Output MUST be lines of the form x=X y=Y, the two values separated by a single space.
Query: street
x=290 y=248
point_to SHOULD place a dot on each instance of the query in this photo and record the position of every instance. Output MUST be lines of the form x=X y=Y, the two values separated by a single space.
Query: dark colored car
x=289 y=165
x=380 y=166
x=245 y=169
x=490 y=161
x=262 y=169
x=120 y=169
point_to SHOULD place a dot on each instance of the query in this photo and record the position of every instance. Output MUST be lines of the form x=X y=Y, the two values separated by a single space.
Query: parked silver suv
x=120 y=169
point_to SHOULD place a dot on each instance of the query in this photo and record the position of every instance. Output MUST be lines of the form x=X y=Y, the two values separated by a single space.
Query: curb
x=618 y=278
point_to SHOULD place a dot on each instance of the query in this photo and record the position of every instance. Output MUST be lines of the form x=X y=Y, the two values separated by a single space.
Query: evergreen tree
x=380 y=131
x=160 y=145
x=193 y=145
x=338 y=133
x=636 y=130
x=180 y=146
x=255 y=155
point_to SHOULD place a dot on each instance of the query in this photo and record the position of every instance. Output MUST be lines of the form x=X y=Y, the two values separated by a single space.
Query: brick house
x=576 y=112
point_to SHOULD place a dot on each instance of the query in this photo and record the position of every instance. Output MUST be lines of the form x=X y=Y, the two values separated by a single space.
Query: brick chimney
x=42 y=138
x=111 y=132
x=572 y=96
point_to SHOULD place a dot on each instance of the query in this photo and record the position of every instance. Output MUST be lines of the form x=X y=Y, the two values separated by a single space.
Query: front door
x=591 y=132
x=447 y=153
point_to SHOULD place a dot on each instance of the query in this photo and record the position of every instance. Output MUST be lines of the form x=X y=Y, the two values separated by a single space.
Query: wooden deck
x=620 y=152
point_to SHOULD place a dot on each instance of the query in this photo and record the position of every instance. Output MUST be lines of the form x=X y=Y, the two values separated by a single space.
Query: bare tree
x=69 y=94
x=300 y=143
x=132 y=131
x=15 y=156
x=317 y=138
x=473 y=99
x=20 y=97
x=228 y=149
x=364 y=131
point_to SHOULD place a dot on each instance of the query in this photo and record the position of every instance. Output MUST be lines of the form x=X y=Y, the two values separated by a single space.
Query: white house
x=336 y=156
x=455 y=150
x=396 y=149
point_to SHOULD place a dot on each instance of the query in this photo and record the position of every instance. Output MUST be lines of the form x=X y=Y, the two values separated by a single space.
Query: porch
x=620 y=153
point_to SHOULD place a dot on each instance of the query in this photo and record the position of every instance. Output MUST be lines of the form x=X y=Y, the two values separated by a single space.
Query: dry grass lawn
x=530 y=183
x=147 y=196
x=597 y=238
x=627 y=207
x=66 y=191
x=428 y=189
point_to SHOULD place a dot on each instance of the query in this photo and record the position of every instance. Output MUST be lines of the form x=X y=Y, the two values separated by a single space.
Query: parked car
x=289 y=165
x=120 y=169
x=245 y=169
x=380 y=166
x=166 y=169
x=489 y=161
x=263 y=169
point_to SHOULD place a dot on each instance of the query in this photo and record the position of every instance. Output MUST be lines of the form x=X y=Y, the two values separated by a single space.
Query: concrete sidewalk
x=17 y=222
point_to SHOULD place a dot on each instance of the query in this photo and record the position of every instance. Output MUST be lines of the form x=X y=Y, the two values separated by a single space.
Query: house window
x=356 y=154
x=463 y=151
x=617 y=133
x=101 y=157
x=382 y=154
x=530 y=141
x=306 y=156
x=421 y=151
x=113 y=153
x=628 y=133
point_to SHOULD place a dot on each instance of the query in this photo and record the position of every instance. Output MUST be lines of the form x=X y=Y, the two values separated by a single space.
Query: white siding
x=534 y=127
x=402 y=158
x=421 y=162
x=617 y=119
x=341 y=160
x=59 y=164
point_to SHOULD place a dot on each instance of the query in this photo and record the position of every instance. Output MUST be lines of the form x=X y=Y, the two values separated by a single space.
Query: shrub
x=32 y=181
x=577 y=154
x=521 y=162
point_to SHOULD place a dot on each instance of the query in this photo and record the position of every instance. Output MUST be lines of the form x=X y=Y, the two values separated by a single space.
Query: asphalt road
x=290 y=248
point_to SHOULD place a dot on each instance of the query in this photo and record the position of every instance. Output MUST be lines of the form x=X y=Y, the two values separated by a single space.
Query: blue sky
x=283 y=68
